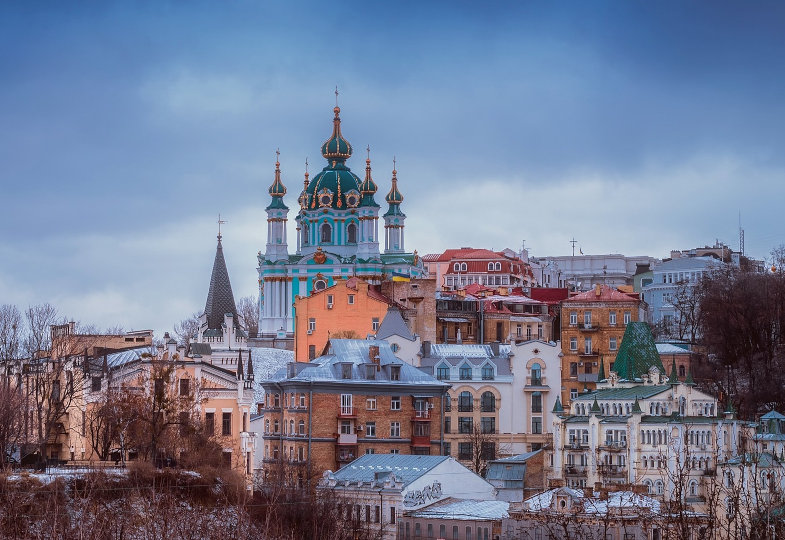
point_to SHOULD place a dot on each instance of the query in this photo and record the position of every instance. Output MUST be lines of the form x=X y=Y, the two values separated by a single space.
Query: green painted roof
x=601 y=375
x=336 y=147
x=637 y=353
x=641 y=392
x=558 y=407
x=673 y=379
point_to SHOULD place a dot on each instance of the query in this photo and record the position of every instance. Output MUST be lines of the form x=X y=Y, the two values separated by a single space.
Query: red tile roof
x=549 y=295
x=607 y=294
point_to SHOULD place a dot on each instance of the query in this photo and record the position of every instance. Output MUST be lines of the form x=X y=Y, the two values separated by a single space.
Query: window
x=312 y=325
x=587 y=318
x=536 y=424
x=392 y=515
x=95 y=386
x=350 y=299
x=302 y=400
x=311 y=352
x=487 y=372
x=536 y=374
x=447 y=424
x=375 y=323
x=490 y=266
x=346 y=404
x=573 y=393
x=612 y=344
x=369 y=451
x=627 y=317
x=539 y=331
x=465 y=373
x=330 y=300
x=465 y=424
x=573 y=317
x=463 y=267
x=346 y=371
x=612 y=318
x=394 y=347
x=301 y=427
x=488 y=450
x=327 y=233
x=574 y=368
x=488 y=424
x=465 y=402
x=488 y=402
x=573 y=343
x=226 y=423
x=587 y=345
x=346 y=427
x=447 y=403
x=465 y=450
x=395 y=373
x=185 y=386
x=370 y=404
x=682 y=371
x=456 y=267
x=351 y=233
x=443 y=372
x=395 y=430
x=395 y=403
x=209 y=424
x=319 y=285
x=536 y=402
x=370 y=429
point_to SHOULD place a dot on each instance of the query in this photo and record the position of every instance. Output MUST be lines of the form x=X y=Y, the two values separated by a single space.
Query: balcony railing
x=584 y=352
x=588 y=327
x=612 y=470
x=575 y=470
x=347 y=412
x=424 y=415
x=346 y=438
x=614 y=445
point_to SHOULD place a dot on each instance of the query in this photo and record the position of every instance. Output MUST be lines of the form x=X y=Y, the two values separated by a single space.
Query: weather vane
x=220 y=222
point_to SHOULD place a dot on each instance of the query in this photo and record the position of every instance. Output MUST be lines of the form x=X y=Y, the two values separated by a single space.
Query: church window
x=319 y=285
x=327 y=233
x=351 y=233
x=394 y=347
x=306 y=232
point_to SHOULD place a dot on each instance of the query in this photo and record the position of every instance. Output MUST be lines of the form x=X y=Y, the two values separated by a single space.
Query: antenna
x=573 y=242
x=741 y=237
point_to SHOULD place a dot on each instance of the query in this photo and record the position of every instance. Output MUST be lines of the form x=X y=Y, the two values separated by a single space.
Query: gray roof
x=328 y=368
x=201 y=348
x=464 y=509
x=220 y=299
x=475 y=355
x=772 y=415
x=670 y=348
x=406 y=468
x=393 y=325
x=124 y=357
x=688 y=263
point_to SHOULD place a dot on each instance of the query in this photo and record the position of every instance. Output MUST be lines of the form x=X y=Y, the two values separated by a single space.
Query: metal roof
x=393 y=325
x=639 y=391
x=220 y=299
x=670 y=348
x=464 y=509
x=124 y=357
x=406 y=468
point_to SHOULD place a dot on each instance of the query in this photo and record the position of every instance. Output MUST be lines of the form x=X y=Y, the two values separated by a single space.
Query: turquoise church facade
x=337 y=236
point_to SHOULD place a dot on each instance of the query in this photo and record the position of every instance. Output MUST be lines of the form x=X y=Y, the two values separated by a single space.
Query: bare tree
x=11 y=329
x=187 y=329
x=248 y=309
x=11 y=405
x=40 y=319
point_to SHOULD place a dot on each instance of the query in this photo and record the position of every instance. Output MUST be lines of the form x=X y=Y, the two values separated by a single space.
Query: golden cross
x=336 y=95
x=368 y=149
x=277 y=154
x=306 y=165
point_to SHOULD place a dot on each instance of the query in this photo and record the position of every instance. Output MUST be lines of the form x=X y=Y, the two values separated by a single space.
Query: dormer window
x=443 y=372
x=346 y=371
x=487 y=372
x=370 y=372
x=465 y=373
x=395 y=373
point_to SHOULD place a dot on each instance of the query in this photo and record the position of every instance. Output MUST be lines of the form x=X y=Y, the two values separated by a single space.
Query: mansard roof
x=220 y=299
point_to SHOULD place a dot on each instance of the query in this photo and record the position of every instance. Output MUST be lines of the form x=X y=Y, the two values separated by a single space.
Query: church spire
x=336 y=148
x=277 y=189
x=220 y=299
x=368 y=188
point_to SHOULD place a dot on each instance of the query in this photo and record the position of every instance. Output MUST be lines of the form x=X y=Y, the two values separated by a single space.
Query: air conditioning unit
x=310 y=332
x=595 y=364
x=359 y=428
x=580 y=363
x=330 y=305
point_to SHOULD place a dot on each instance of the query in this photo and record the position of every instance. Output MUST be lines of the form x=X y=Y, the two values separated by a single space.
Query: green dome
x=368 y=188
x=336 y=186
x=277 y=190
x=336 y=148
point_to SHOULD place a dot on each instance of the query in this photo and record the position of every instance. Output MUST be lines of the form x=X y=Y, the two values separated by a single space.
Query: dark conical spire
x=220 y=299
x=557 y=407
x=689 y=381
x=249 y=372
x=673 y=379
x=601 y=375
x=240 y=374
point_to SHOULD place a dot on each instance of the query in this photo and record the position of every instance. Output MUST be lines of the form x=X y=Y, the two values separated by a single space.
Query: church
x=337 y=236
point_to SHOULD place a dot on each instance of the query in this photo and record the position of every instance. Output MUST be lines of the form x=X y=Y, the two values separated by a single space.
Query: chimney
x=373 y=354
x=426 y=348
x=597 y=290
x=495 y=348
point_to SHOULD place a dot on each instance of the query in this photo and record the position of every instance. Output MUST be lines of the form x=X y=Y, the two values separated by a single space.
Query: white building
x=583 y=272
x=377 y=488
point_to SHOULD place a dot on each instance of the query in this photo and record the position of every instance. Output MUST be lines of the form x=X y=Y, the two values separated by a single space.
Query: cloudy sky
x=126 y=127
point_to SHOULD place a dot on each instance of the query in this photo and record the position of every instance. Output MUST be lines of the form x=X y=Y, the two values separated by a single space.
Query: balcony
x=534 y=384
x=575 y=445
x=614 y=446
x=347 y=412
x=612 y=470
x=422 y=415
x=421 y=440
x=587 y=377
x=247 y=441
x=347 y=439
x=575 y=470
x=587 y=354
x=588 y=327
x=345 y=456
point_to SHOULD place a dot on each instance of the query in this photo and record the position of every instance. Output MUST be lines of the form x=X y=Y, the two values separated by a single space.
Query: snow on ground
x=267 y=361
x=53 y=473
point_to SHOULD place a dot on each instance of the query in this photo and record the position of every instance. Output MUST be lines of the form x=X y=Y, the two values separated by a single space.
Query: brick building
x=592 y=327
x=357 y=398
x=457 y=268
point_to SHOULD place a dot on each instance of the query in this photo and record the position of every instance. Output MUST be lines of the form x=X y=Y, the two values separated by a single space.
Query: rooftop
x=376 y=467
x=464 y=509
x=606 y=294
x=637 y=353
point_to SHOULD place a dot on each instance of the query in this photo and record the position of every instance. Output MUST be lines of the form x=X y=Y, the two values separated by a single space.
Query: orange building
x=350 y=309
x=592 y=327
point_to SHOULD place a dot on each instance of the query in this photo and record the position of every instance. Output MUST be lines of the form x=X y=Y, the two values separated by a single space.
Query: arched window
x=267 y=426
x=327 y=233
x=465 y=402
x=693 y=488
x=490 y=266
x=488 y=402
x=487 y=372
x=291 y=427
x=351 y=233
x=306 y=234
x=319 y=284
x=456 y=267
x=764 y=477
x=647 y=483
x=659 y=487
x=536 y=374
x=463 y=267
x=682 y=371
x=498 y=266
